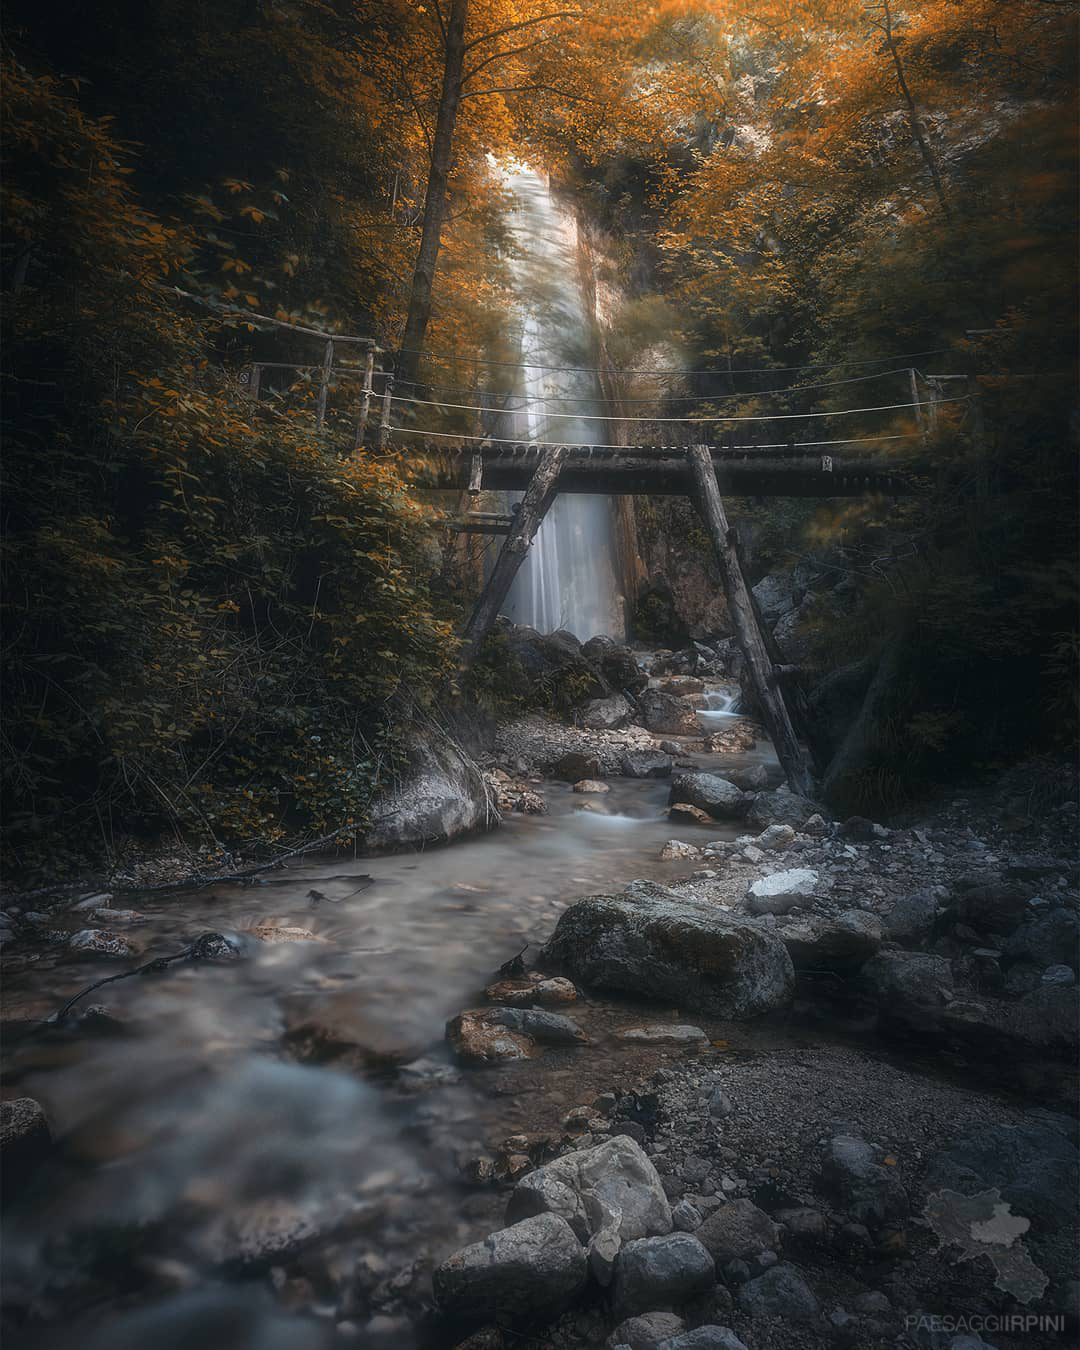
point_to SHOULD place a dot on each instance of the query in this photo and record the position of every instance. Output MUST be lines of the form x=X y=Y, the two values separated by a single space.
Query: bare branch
x=525 y=23
x=528 y=89
x=499 y=56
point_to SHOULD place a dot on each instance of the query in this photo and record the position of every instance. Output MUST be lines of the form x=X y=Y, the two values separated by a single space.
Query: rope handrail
x=693 y=421
x=629 y=449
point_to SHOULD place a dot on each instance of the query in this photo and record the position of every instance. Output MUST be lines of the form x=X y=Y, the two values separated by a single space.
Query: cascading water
x=568 y=577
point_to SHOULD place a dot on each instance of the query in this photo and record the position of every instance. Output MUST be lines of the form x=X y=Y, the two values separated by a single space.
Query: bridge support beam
x=747 y=633
x=533 y=508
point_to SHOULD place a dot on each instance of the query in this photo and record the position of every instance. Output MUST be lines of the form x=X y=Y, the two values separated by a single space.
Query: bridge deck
x=666 y=471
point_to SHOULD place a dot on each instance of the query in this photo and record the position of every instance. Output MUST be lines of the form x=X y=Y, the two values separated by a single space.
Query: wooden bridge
x=703 y=471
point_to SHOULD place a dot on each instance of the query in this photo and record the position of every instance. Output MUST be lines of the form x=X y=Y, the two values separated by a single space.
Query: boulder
x=748 y=778
x=905 y=984
x=711 y=793
x=340 y=1029
x=1049 y=939
x=612 y=1183
x=704 y=1338
x=836 y=699
x=553 y=663
x=910 y=918
x=738 y=1231
x=862 y=1187
x=841 y=944
x=250 y=1238
x=530 y=1269
x=780 y=806
x=795 y=643
x=655 y=944
x=661 y=1272
x=667 y=714
x=780 y=1293
x=733 y=738
x=781 y=891
x=1036 y=1168
x=646 y=764
x=647 y=1331
x=102 y=942
x=592 y=785
x=606 y=714
x=441 y=795
x=805 y=1228
x=574 y=766
x=621 y=670
x=25 y=1139
x=993 y=906
x=775 y=597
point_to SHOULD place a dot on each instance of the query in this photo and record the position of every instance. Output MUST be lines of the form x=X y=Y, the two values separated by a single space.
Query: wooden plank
x=365 y=398
x=744 y=620
x=324 y=383
x=534 y=506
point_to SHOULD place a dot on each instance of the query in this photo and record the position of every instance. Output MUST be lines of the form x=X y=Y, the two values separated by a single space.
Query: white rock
x=782 y=891
x=675 y=849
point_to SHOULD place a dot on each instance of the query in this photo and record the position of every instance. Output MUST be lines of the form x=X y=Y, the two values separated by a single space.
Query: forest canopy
x=218 y=613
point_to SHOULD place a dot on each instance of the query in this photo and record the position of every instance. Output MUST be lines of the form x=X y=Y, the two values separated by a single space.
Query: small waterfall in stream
x=568 y=578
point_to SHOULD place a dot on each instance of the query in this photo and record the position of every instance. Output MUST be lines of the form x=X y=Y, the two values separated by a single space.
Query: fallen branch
x=203 y=948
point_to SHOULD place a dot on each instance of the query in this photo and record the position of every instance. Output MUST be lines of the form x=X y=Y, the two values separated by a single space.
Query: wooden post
x=384 y=422
x=365 y=397
x=533 y=507
x=254 y=381
x=324 y=383
x=747 y=633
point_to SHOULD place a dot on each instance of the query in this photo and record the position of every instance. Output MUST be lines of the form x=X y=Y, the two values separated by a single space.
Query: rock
x=656 y=1271
x=441 y=795
x=872 y=1304
x=555 y=662
x=711 y=793
x=1034 y=1166
x=532 y=993
x=531 y=1268
x=685 y=813
x=108 y=916
x=603 y=1252
x=685 y=1217
x=776 y=838
x=667 y=714
x=1059 y=975
x=591 y=785
x=25 y=1140
x=678 y=949
x=1048 y=939
x=780 y=1293
x=720 y=1104
x=775 y=597
x=781 y=806
x=339 y=1029
x=704 y=1338
x=841 y=944
x=605 y=714
x=592 y=1187
x=477 y=1040
x=805 y=1228
x=781 y=891
x=675 y=849
x=995 y=907
x=910 y=918
x=753 y=855
x=748 y=778
x=276 y=933
x=836 y=699
x=617 y=664
x=816 y=826
x=102 y=942
x=736 y=1231
x=253 y=1238
x=795 y=643
x=662 y=1034
x=904 y=983
x=574 y=766
x=862 y=1187
x=735 y=738
x=646 y=764
x=647 y=1331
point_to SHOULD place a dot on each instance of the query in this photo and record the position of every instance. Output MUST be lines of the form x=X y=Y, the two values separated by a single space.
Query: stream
x=195 y=1134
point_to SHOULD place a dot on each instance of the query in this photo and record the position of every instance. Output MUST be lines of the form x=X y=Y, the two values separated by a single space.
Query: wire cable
x=547 y=445
x=693 y=421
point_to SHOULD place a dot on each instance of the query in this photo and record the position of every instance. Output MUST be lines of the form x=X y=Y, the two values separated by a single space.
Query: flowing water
x=188 y=1128
x=568 y=578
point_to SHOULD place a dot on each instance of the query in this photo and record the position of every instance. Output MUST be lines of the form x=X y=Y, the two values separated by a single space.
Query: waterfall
x=568 y=577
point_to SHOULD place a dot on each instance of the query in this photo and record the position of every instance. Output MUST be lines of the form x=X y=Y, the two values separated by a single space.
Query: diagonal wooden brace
x=759 y=665
x=541 y=492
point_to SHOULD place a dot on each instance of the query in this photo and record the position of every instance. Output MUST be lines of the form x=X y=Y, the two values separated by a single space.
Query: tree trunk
x=534 y=506
x=442 y=151
x=747 y=633
x=914 y=120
